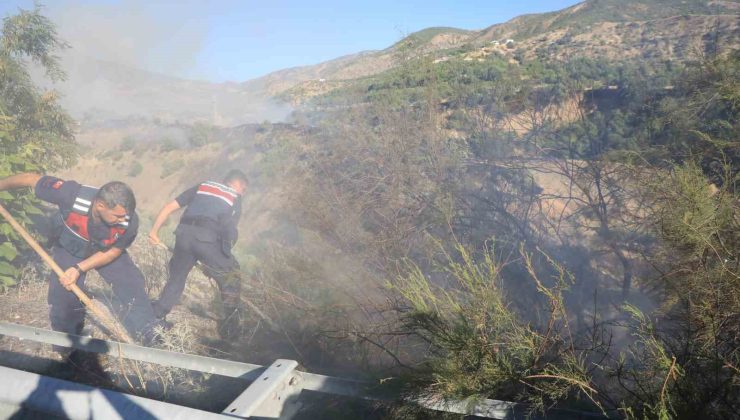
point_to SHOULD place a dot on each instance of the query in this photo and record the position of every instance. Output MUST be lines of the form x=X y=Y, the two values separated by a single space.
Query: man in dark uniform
x=206 y=234
x=92 y=231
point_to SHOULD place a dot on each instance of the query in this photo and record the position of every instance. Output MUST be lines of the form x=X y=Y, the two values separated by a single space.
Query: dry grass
x=156 y=381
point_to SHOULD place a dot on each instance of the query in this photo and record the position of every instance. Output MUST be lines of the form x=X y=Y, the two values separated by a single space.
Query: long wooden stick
x=106 y=319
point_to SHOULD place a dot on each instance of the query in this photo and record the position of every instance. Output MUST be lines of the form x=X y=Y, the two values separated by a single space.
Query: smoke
x=164 y=39
x=129 y=59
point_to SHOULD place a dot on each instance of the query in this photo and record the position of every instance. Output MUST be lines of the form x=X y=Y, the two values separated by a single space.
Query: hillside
x=581 y=16
x=600 y=29
x=655 y=31
x=676 y=38
x=636 y=29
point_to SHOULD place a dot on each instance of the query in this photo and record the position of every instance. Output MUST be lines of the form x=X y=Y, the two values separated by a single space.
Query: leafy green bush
x=135 y=169
x=692 y=214
x=701 y=285
x=649 y=371
x=167 y=144
x=201 y=134
x=479 y=348
x=127 y=144
x=169 y=167
x=35 y=133
x=113 y=154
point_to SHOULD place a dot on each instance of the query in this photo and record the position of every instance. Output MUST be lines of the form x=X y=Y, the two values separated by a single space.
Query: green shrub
x=479 y=348
x=167 y=144
x=35 y=132
x=201 y=134
x=135 y=169
x=170 y=167
x=113 y=154
x=127 y=144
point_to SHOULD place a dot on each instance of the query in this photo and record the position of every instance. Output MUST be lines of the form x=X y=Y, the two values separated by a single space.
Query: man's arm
x=230 y=229
x=96 y=260
x=168 y=209
x=100 y=259
x=28 y=179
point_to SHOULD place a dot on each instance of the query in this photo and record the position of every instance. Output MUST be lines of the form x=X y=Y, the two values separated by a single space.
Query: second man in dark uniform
x=206 y=234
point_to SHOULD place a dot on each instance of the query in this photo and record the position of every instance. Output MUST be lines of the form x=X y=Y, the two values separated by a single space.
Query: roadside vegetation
x=561 y=234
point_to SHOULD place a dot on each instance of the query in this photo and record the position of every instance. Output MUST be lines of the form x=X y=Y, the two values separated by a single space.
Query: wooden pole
x=100 y=314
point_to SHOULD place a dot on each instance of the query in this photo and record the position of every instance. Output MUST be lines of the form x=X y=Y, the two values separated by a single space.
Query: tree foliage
x=35 y=132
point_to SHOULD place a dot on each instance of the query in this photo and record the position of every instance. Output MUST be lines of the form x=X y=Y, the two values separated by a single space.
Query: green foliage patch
x=35 y=132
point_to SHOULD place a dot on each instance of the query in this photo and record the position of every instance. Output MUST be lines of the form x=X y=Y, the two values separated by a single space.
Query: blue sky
x=239 y=40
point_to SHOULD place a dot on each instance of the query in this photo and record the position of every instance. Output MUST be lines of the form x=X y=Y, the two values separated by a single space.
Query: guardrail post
x=274 y=395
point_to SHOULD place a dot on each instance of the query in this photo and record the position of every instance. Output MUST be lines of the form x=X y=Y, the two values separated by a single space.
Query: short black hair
x=236 y=175
x=117 y=193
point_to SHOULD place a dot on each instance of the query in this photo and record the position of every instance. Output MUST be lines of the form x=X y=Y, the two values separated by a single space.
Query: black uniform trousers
x=200 y=244
x=132 y=305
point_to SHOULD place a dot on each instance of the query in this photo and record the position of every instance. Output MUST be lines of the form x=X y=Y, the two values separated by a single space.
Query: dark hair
x=236 y=175
x=117 y=193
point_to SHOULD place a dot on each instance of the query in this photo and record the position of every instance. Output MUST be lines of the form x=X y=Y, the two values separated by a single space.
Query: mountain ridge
x=609 y=29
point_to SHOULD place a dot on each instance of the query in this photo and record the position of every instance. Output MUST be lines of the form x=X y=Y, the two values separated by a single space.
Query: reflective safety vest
x=213 y=201
x=73 y=232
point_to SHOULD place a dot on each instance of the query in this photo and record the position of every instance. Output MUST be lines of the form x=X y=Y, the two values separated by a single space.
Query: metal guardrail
x=272 y=387
x=28 y=395
x=115 y=349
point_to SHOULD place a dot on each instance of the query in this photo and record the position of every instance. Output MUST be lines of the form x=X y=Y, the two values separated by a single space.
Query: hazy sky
x=239 y=40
